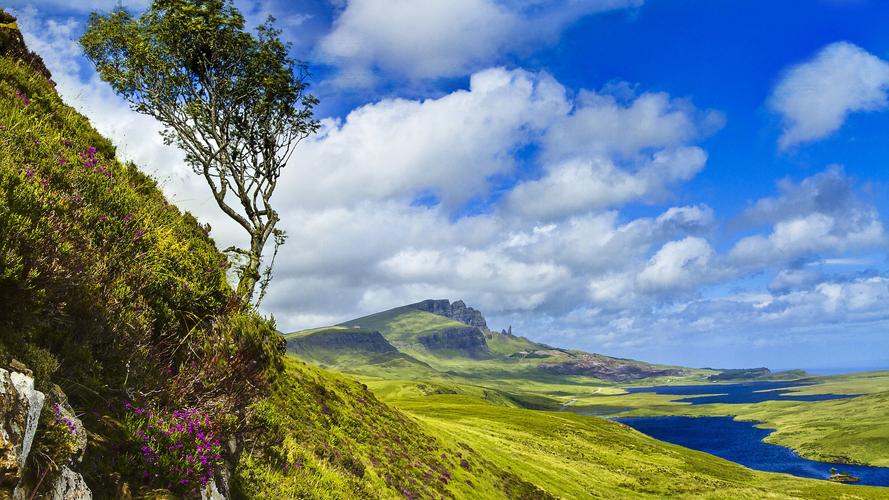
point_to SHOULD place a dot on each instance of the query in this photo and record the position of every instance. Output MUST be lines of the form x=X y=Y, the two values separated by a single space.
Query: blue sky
x=693 y=182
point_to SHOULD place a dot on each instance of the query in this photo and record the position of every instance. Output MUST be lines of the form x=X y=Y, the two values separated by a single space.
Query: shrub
x=180 y=450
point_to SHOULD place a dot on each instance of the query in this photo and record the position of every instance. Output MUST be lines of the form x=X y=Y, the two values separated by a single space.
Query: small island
x=841 y=477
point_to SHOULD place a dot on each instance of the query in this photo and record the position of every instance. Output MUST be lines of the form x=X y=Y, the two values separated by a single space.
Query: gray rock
x=457 y=311
x=20 y=406
x=211 y=492
x=69 y=485
x=468 y=341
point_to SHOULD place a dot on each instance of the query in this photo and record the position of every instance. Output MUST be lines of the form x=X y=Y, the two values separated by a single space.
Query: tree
x=235 y=102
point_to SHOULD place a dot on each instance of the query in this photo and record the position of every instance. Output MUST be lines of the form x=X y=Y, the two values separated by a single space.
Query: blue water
x=747 y=392
x=741 y=442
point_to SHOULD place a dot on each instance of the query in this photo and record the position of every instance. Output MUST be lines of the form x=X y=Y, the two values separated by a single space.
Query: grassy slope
x=106 y=289
x=848 y=430
x=359 y=447
x=573 y=456
x=329 y=437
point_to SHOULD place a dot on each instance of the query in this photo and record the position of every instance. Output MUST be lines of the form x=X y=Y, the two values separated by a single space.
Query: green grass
x=359 y=446
x=574 y=456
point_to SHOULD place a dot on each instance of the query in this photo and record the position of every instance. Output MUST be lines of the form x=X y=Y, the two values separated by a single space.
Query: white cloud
x=582 y=185
x=603 y=125
x=441 y=38
x=678 y=265
x=816 y=96
x=822 y=214
x=450 y=145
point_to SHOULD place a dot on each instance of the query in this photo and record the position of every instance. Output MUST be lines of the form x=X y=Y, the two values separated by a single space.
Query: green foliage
x=55 y=442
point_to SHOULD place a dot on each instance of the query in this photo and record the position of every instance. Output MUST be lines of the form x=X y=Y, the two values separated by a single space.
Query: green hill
x=458 y=349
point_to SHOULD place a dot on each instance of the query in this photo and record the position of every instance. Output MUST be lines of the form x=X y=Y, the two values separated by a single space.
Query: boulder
x=69 y=486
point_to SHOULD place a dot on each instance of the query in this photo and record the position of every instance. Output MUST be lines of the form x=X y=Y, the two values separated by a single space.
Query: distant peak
x=457 y=311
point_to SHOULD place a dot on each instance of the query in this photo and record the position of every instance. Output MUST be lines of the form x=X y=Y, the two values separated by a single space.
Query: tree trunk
x=250 y=275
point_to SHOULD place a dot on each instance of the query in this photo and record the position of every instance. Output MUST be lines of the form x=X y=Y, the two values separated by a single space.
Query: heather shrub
x=180 y=448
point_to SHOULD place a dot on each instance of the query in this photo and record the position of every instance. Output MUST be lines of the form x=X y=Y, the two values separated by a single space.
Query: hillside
x=116 y=310
x=455 y=340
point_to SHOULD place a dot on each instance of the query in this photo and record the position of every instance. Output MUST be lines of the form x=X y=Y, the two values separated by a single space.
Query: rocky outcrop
x=605 y=368
x=12 y=44
x=69 y=486
x=468 y=341
x=457 y=311
x=357 y=340
x=20 y=407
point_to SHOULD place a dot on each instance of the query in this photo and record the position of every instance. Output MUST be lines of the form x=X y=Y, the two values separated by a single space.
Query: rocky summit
x=457 y=311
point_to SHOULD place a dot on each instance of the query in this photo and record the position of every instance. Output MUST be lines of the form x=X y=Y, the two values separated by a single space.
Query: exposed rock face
x=458 y=311
x=20 y=410
x=12 y=44
x=211 y=491
x=20 y=406
x=70 y=486
x=603 y=367
x=365 y=341
x=468 y=340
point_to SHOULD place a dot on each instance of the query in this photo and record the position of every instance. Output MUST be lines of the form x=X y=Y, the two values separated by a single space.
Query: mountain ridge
x=455 y=339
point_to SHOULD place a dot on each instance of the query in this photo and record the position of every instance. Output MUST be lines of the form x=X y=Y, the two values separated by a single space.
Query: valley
x=437 y=369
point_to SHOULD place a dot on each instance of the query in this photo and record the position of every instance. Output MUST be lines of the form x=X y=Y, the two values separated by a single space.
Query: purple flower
x=103 y=219
x=21 y=95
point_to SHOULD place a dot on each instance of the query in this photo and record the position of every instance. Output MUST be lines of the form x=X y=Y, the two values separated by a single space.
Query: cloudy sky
x=701 y=182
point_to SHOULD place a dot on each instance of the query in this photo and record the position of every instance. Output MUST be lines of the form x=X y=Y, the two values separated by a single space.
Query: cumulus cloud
x=820 y=214
x=450 y=145
x=588 y=184
x=815 y=97
x=442 y=38
x=676 y=265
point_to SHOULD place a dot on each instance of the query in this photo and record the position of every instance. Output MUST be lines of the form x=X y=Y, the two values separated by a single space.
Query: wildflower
x=22 y=97
x=104 y=219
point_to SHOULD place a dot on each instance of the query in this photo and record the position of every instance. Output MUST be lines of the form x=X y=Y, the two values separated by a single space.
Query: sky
x=697 y=182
